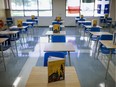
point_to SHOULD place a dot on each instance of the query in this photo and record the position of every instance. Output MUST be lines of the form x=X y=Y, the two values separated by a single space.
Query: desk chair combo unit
x=5 y=44
x=107 y=47
x=55 y=38
x=12 y=35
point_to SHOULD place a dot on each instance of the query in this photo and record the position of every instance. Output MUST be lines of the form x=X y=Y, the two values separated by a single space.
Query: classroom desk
x=2 y=40
x=108 y=44
x=98 y=34
x=77 y=19
x=49 y=33
x=19 y=28
x=90 y=26
x=83 y=22
x=10 y=33
x=29 y=23
x=53 y=47
x=51 y=26
x=39 y=78
x=16 y=27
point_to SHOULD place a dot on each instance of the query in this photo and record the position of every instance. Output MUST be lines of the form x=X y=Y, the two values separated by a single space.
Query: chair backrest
x=87 y=23
x=56 y=22
x=95 y=29
x=30 y=20
x=9 y=19
x=77 y=17
x=24 y=24
x=81 y=19
x=58 y=38
x=55 y=54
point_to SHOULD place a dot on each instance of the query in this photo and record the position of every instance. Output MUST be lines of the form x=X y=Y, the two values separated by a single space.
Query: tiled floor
x=91 y=72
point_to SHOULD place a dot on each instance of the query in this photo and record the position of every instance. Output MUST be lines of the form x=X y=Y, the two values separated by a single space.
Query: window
x=45 y=8
x=31 y=7
x=72 y=7
x=87 y=7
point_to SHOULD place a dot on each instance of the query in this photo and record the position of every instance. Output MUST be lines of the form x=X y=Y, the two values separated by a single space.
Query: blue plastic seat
x=55 y=54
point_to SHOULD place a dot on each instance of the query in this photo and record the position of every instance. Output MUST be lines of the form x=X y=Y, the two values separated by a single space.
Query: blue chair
x=59 y=38
x=86 y=29
x=102 y=48
x=81 y=19
x=55 y=54
x=9 y=22
x=93 y=37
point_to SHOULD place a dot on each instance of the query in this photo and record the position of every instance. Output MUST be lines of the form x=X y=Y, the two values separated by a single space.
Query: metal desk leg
x=3 y=57
x=108 y=63
x=16 y=48
x=96 y=48
x=69 y=58
x=48 y=38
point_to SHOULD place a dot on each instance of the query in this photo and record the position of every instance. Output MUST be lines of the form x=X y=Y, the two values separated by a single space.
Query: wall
x=112 y=9
x=2 y=9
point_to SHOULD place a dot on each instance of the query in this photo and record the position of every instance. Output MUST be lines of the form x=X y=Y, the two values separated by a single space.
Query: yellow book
x=56 y=28
x=32 y=17
x=94 y=22
x=56 y=69
x=19 y=23
x=58 y=18
x=81 y=16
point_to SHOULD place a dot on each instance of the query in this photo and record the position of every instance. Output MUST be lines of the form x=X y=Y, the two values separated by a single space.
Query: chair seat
x=105 y=50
